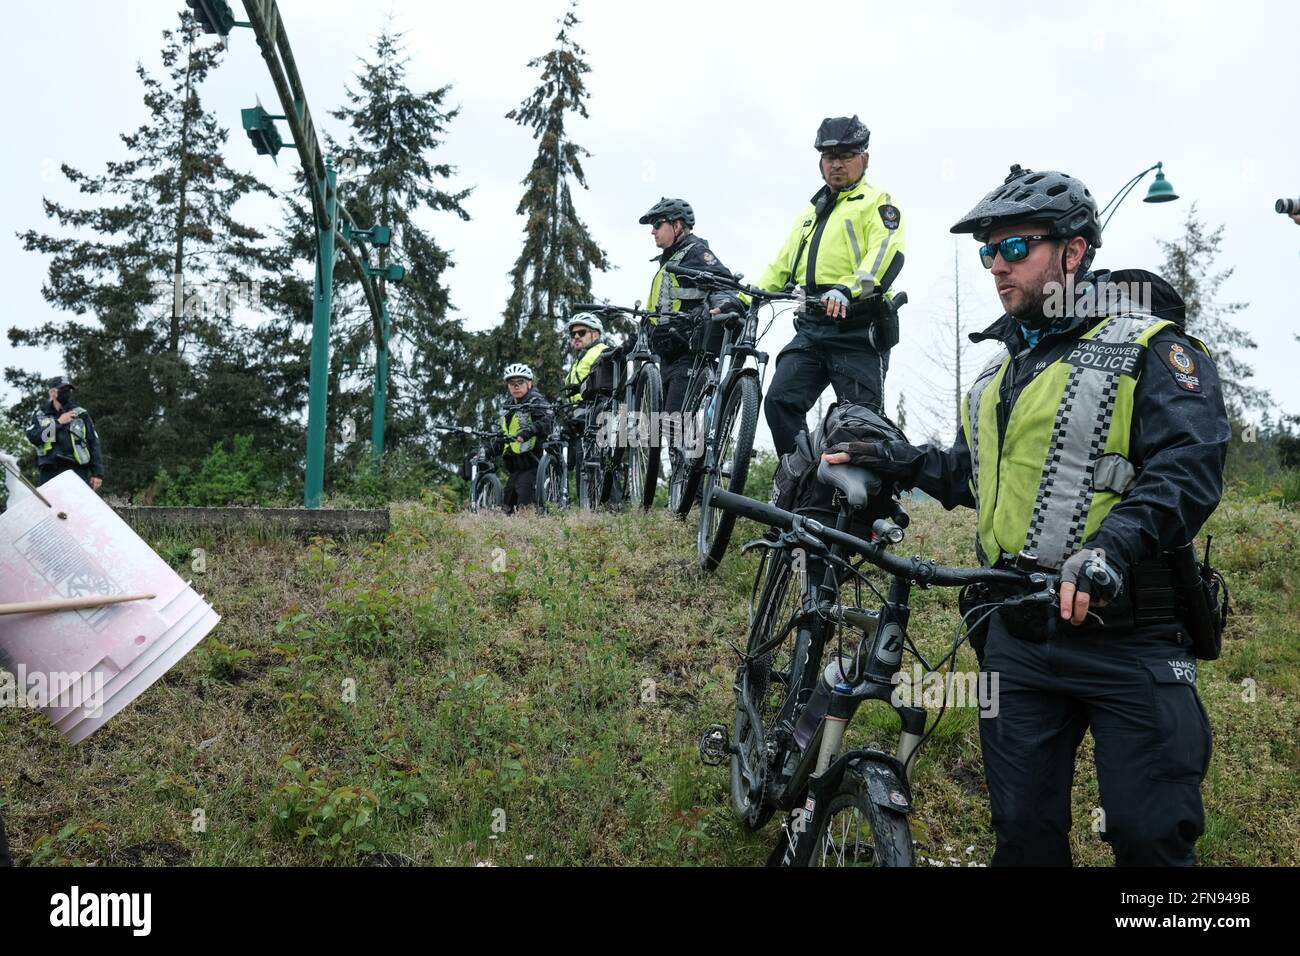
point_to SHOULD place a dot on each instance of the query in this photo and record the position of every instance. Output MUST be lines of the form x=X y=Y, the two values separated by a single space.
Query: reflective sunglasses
x=1013 y=249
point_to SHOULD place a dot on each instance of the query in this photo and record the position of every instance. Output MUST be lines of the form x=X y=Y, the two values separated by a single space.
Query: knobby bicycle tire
x=739 y=413
x=764 y=684
x=853 y=830
x=488 y=495
x=692 y=466
x=644 y=449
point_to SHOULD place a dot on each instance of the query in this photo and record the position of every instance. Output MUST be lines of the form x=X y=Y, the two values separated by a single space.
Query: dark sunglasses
x=579 y=333
x=1013 y=249
x=659 y=222
x=843 y=155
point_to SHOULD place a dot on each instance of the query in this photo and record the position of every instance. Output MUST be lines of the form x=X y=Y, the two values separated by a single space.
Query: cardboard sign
x=91 y=662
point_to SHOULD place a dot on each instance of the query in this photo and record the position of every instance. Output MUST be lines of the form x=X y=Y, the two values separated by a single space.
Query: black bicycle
x=792 y=711
x=643 y=399
x=486 y=493
x=720 y=414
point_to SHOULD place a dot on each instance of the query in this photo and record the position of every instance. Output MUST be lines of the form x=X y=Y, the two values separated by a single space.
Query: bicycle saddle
x=857 y=483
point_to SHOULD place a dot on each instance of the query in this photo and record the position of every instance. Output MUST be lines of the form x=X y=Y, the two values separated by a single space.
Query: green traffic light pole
x=264 y=19
x=321 y=303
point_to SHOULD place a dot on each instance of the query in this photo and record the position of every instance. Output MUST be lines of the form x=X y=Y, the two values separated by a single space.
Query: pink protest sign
x=92 y=661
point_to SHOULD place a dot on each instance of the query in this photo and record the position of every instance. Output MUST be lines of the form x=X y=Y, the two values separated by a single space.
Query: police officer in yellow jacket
x=65 y=437
x=585 y=330
x=1092 y=445
x=845 y=250
x=682 y=322
x=525 y=425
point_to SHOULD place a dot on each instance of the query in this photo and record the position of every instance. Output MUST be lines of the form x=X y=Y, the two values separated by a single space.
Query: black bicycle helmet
x=842 y=131
x=670 y=209
x=1064 y=203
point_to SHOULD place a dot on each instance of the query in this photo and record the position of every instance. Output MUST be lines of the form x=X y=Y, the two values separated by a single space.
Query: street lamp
x=1161 y=190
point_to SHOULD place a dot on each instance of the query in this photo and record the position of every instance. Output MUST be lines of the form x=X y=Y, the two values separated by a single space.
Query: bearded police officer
x=845 y=250
x=1092 y=445
x=65 y=437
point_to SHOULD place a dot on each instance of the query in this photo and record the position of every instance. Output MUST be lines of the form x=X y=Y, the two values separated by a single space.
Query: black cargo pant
x=58 y=467
x=1136 y=691
x=811 y=362
x=520 y=489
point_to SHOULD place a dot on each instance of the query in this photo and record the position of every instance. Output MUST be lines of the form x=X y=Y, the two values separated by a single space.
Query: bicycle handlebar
x=921 y=570
x=712 y=280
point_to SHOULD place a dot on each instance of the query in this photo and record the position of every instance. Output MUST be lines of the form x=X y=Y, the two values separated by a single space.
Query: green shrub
x=238 y=475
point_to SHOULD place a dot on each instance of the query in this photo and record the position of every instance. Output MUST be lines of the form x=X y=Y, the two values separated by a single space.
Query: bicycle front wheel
x=689 y=453
x=550 y=484
x=735 y=449
x=488 y=493
x=643 y=447
x=774 y=664
x=854 y=830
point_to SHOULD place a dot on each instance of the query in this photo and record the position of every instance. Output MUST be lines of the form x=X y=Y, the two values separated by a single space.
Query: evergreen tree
x=1189 y=267
x=554 y=268
x=392 y=132
x=161 y=366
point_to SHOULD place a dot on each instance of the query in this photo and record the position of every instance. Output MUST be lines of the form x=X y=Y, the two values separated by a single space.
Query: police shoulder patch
x=1183 y=367
x=890 y=216
x=709 y=258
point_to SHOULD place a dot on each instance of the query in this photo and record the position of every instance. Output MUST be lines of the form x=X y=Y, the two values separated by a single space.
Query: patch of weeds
x=330 y=819
x=223 y=659
x=76 y=844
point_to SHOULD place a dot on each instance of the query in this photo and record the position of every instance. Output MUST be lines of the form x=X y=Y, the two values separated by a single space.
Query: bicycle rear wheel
x=735 y=448
x=854 y=830
x=763 y=683
x=643 y=449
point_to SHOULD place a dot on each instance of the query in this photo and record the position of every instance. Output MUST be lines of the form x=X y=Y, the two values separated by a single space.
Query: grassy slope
x=514 y=697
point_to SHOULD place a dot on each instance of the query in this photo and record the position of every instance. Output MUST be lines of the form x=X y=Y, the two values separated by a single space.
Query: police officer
x=845 y=250
x=526 y=424
x=679 y=304
x=585 y=331
x=1094 y=441
x=65 y=437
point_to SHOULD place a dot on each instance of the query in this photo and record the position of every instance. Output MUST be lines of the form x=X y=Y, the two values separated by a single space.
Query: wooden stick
x=71 y=604
x=30 y=487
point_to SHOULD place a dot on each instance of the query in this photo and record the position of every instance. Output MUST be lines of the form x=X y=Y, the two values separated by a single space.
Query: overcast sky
x=717 y=102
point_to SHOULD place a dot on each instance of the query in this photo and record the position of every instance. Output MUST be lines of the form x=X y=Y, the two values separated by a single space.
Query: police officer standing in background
x=1093 y=446
x=681 y=307
x=845 y=250
x=65 y=437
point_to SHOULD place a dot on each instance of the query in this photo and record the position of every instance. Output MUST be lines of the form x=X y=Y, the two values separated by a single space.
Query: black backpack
x=795 y=486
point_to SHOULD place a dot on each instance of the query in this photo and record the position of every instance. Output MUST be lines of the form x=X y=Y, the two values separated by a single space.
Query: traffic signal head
x=261 y=131
x=215 y=16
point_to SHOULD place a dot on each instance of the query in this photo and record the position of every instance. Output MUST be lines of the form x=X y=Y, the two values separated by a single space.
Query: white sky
x=718 y=103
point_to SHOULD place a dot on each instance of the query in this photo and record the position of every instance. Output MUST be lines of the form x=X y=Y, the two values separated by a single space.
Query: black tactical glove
x=889 y=459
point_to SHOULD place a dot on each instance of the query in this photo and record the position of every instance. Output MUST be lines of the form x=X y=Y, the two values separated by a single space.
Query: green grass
x=475 y=688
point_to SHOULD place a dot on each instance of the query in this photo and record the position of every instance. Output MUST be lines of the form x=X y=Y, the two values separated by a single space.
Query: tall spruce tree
x=1190 y=267
x=162 y=366
x=392 y=132
x=554 y=268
